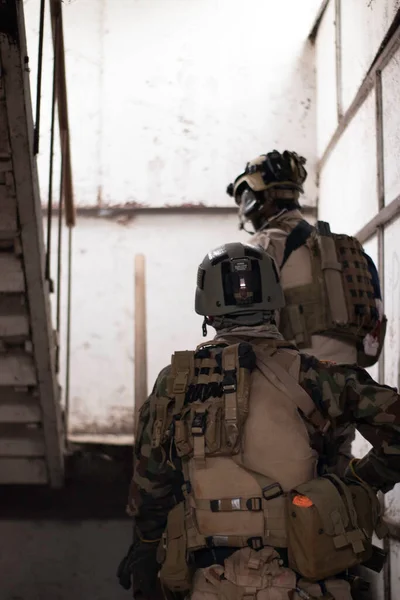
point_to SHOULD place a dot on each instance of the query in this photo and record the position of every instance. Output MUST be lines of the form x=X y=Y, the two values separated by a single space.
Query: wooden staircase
x=31 y=429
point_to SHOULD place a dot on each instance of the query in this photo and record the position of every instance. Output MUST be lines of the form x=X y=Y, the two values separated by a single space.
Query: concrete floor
x=62 y=560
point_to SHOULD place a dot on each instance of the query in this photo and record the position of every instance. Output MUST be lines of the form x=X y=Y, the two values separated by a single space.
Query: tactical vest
x=335 y=295
x=240 y=423
x=237 y=463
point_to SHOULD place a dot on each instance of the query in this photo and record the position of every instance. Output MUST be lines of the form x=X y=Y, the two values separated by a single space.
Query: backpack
x=343 y=300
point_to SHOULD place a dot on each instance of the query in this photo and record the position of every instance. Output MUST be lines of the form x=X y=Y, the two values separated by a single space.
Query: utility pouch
x=175 y=573
x=330 y=526
x=335 y=589
x=365 y=360
x=246 y=575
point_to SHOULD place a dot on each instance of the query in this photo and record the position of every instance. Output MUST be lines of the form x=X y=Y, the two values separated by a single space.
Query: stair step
x=14 y=327
x=5 y=163
x=19 y=407
x=17 y=369
x=23 y=443
x=15 y=471
x=8 y=213
x=11 y=274
x=4 y=140
x=14 y=318
x=31 y=429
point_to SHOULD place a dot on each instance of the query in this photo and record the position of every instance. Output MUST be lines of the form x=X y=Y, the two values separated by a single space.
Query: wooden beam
x=140 y=349
x=385 y=216
x=318 y=19
x=338 y=58
x=386 y=51
x=111 y=212
x=62 y=104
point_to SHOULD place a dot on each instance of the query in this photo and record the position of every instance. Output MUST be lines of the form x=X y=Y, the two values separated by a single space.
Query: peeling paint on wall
x=162 y=114
x=101 y=400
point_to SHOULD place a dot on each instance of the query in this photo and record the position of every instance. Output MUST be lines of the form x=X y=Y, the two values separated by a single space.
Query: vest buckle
x=229 y=382
x=274 y=490
x=254 y=504
x=256 y=543
x=199 y=424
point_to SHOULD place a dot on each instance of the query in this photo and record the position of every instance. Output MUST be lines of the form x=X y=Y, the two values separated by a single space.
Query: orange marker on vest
x=302 y=501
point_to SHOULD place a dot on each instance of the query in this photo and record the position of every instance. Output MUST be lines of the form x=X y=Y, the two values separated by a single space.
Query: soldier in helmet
x=235 y=490
x=333 y=299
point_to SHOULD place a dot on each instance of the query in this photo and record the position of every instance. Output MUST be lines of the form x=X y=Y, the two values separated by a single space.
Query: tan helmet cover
x=271 y=170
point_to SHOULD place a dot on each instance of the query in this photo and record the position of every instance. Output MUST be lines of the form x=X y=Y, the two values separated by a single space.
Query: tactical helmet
x=273 y=176
x=272 y=170
x=237 y=279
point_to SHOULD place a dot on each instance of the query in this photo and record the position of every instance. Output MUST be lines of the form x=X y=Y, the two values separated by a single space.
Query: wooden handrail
x=61 y=94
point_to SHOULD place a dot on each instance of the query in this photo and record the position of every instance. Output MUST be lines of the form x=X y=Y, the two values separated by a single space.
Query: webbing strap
x=335 y=265
x=230 y=504
x=355 y=537
x=344 y=490
x=270 y=489
x=198 y=431
x=229 y=386
x=374 y=276
x=183 y=366
x=296 y=238
x=238 y=541
x=243 y=504
x=297 y=324
x=288 y=385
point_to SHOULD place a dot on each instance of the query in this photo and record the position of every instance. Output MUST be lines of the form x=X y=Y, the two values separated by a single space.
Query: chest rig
x=206 y=402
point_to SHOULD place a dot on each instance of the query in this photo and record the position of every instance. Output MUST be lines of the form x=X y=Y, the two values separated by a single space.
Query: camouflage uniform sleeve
x=347 y=394
x=156 y=482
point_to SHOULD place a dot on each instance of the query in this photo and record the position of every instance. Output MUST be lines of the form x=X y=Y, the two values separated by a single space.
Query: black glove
x=125 y=568
x=140 y=569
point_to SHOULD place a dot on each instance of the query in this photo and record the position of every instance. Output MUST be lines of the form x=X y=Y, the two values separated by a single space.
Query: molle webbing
x=340 y=301
x=359 y=291
x=270 y=502
x=211 y=373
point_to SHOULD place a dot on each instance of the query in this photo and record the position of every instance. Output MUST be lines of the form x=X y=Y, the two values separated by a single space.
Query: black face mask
x=250 y=204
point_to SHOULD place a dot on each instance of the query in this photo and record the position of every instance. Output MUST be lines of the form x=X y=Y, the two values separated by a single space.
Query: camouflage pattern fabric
x=157 y=478
x=348 y=395
x=344 y=393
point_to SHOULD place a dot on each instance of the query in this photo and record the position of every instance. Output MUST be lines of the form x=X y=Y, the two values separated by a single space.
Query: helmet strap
x=242 y=227
x=204 y=327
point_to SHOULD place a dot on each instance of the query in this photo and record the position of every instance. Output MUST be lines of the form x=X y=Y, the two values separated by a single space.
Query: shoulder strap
x=287 y=383
x=182 y=370
x=374 y=276
x=296 y=238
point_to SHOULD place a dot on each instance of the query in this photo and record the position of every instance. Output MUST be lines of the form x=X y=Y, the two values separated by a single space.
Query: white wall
x=169 y=99
x=348 y=179
x=103 y=311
